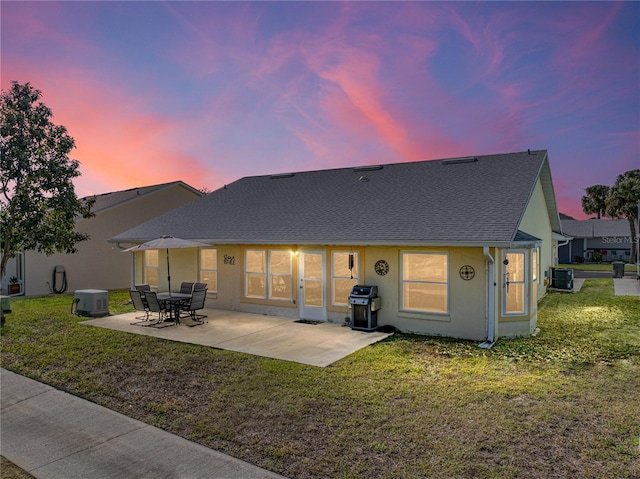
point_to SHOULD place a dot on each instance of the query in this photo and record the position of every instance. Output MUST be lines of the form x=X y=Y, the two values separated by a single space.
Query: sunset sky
x=209 y=92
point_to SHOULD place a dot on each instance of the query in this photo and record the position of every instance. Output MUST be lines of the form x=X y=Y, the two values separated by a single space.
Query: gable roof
x=106 y=201
x=461 y=201
x=595 y=228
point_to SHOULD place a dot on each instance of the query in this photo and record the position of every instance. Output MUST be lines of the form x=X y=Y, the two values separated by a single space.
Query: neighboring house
x=457 y=247
x=97 y=264
x=609 y=238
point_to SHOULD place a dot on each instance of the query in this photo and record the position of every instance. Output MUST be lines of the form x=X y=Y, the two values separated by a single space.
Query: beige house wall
x=467 y=317
x=536 y=222
x=99 y=264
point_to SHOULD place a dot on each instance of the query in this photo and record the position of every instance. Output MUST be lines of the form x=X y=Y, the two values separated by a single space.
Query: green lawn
x=563 y=404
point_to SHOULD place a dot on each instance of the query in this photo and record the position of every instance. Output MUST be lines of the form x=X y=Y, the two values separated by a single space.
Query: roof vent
x=368 y=168
x=363 y=179
x=460 y=160
x=283 y=175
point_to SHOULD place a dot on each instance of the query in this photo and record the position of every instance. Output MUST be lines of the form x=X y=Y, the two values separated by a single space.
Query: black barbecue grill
x=365 y=303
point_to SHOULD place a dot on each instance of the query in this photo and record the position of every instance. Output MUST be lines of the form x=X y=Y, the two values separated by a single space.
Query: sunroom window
x=425 y=282
x=515 y=297
x=535 y=277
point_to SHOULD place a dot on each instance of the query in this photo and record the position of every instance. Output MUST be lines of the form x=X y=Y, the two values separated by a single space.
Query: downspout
x=489 y=269
x=567 y=241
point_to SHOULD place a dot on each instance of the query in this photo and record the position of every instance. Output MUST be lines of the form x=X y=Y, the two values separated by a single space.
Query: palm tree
x=595 y=200
x=623 y=202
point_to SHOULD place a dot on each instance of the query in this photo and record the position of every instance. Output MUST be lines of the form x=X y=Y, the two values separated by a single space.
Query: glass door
x=514 y=284
x=312 y=276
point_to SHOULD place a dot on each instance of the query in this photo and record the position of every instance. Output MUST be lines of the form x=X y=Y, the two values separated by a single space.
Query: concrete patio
x=268 y=336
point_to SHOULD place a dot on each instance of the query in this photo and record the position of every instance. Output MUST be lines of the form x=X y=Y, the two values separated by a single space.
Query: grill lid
x=362 y=291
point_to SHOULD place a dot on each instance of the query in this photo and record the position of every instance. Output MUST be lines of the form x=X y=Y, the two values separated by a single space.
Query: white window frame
x=334 y=277
x=214 y=272
x=268 y=275
x=271 y=275
x=446 y=282
x=255 y=273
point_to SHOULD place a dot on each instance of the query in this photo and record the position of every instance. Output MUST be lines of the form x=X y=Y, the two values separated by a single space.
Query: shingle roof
x=596 y=228
x=457 y=201
x=106 y=201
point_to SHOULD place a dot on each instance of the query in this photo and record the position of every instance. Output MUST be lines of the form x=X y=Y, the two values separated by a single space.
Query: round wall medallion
x=467 y=272
x=381 y=267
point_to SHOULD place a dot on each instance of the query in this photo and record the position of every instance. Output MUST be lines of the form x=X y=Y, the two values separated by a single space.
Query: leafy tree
x=38 y=204
x=623 y=201
x=594 y=202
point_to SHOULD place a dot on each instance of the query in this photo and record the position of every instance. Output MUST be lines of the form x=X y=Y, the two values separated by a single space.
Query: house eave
x=326 y=242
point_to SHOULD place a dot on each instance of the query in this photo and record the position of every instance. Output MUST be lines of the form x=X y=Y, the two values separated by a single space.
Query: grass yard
x=563 y=404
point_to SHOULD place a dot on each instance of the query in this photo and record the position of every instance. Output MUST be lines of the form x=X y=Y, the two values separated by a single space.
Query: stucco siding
x=536 y=222
x=466 y=317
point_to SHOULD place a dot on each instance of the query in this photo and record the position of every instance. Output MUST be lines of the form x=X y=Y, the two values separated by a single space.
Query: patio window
x=343 y=279
x=270 y=279
x=255 y=273
x=209 y=268
x=425 y=282
x=151 y=267
x=280 y=275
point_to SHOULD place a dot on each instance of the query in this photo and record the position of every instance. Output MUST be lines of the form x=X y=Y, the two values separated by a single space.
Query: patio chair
x=199 y=287
x=186 y=288
x=196 y=304
x=143 y=288
x=155 y=307
x=139 y=305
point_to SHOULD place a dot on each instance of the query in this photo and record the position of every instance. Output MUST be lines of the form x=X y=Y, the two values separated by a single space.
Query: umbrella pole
x=168 y=272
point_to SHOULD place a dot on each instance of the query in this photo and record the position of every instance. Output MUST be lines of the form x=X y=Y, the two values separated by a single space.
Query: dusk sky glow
x=209 y=92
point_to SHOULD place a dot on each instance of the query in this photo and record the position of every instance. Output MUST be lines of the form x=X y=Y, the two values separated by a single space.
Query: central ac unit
x=562 y=278
x=92 y=302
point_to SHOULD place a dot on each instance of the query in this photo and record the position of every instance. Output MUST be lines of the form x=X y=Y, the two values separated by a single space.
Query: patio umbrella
x=166 y=243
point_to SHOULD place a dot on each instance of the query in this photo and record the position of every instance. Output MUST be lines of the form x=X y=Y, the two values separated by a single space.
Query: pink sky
x=209 y=92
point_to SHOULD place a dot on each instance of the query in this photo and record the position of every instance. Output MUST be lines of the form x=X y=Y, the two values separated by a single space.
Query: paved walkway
x=52 y=434
x=627 y=286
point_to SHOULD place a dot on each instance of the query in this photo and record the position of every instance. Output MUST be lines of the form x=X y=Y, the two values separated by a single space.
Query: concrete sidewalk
x=52 y=434
x=627 y=286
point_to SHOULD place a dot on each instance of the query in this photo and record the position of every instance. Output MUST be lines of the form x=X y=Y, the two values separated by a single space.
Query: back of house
x=457 y=247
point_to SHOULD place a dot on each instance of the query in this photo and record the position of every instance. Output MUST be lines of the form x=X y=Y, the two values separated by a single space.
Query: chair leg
x=197 y=317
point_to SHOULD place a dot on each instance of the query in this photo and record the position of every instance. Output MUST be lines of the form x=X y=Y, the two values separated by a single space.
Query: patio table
x=174 y=300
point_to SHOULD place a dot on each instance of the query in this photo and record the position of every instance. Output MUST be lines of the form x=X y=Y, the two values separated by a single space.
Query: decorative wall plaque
x=467 y=272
